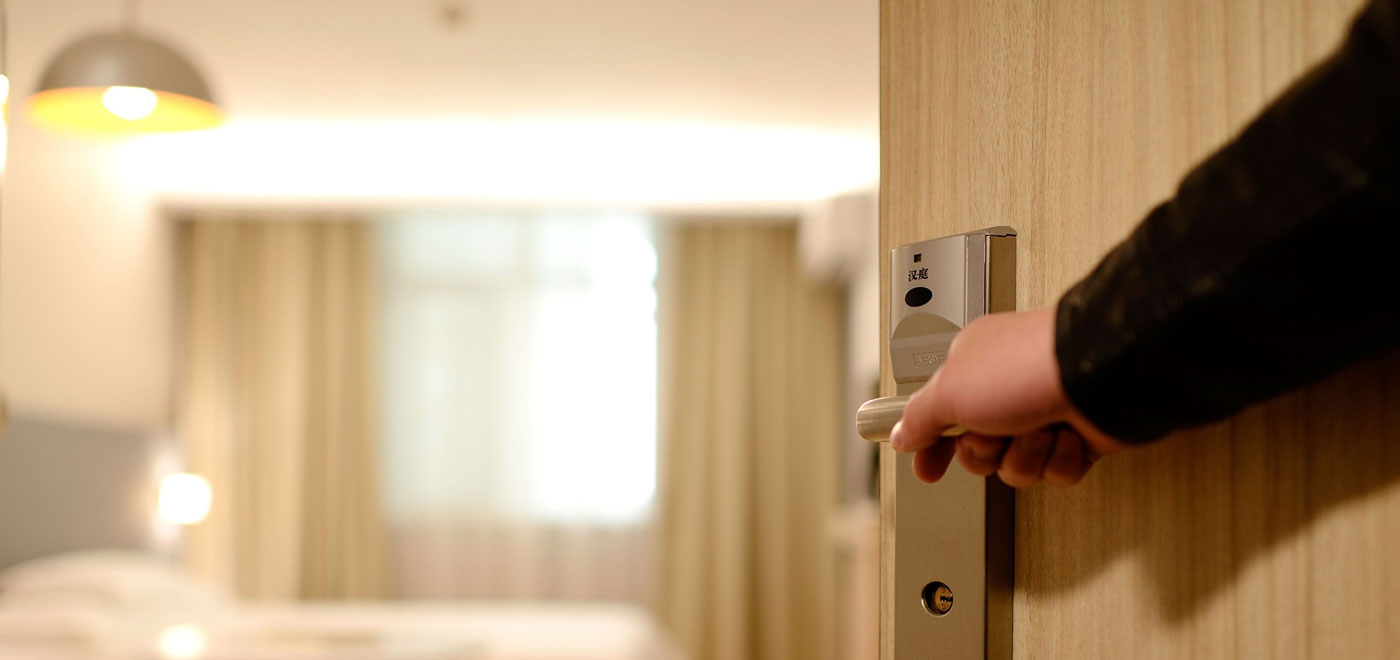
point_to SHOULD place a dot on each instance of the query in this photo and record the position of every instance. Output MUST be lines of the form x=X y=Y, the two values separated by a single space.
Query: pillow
x=104 y=580
x=51 y=626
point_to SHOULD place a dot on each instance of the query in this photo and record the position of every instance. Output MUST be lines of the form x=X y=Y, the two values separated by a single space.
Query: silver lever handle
x=877 y=417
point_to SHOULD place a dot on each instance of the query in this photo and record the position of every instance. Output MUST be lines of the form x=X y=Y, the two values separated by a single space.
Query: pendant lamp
x=121 y=82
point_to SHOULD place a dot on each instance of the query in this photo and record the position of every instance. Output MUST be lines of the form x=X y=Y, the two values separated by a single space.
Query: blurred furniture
x=122 y=605
x=855 y=530
x=68 y=486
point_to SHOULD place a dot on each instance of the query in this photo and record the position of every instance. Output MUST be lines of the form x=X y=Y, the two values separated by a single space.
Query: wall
x=84 y=285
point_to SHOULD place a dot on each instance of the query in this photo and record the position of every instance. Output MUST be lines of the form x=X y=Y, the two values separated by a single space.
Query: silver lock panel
x=955 y=536
x=928 y=301
x=937 y=287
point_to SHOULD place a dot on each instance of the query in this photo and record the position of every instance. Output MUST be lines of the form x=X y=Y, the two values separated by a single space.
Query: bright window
x=519 y=367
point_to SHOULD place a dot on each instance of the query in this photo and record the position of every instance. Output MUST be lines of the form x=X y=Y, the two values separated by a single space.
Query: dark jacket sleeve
x=1276 y=263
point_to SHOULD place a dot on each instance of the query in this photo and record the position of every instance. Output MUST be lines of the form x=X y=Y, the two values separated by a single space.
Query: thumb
x=925 y=418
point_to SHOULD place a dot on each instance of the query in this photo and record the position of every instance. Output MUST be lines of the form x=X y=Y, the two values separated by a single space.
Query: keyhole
x=937 y=598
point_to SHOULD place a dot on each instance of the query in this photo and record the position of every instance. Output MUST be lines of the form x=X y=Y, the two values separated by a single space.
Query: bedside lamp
x=184 y=498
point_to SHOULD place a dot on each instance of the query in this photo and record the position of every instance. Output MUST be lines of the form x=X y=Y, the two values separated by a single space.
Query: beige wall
x=84 y=287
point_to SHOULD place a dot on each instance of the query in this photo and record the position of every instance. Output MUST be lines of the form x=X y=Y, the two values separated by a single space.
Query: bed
x=66 y=488
x=127 y=605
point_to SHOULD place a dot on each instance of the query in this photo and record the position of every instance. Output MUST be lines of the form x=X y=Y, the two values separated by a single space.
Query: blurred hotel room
x=472 y=329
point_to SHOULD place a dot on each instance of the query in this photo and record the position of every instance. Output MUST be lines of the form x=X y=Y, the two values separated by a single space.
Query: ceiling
x=745 y=78
x=798 y=63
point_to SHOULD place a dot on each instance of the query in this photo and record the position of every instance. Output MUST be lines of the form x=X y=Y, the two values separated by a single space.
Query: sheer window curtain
x=277 y=404
x=519 y=436
x=751 y=444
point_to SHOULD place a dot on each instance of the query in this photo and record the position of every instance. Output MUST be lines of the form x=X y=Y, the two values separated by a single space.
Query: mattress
x=349 y=631
x=123 y=606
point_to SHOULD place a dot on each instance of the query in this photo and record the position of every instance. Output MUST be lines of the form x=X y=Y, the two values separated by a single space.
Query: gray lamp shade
x=70 y=90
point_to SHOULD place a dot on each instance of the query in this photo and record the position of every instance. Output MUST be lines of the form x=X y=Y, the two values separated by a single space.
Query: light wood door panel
x=1276 y=533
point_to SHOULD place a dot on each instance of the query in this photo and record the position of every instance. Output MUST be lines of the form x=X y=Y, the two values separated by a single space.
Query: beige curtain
x=277 y=405
x=751 y=435
x=521 y=559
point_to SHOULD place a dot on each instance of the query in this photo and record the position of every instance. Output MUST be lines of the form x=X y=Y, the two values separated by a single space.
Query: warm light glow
x=181 y=642
x=559 y=162
x=129 y=103
x=185 y=498
x=87 y=110
x=4 y=89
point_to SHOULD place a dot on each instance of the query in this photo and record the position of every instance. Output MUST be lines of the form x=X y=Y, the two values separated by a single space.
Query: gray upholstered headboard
x=66 y=487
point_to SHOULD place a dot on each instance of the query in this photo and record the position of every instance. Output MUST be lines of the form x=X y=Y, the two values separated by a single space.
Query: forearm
x=1267 y=269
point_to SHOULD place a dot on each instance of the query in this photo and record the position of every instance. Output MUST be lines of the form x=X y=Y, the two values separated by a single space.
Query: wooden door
x=1273 y=534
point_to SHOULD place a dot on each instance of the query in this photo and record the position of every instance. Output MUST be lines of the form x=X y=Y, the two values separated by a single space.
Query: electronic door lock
x=936 y=288
x=954 y=536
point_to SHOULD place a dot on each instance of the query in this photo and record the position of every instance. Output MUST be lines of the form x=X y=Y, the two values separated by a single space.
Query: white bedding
x=72 y=609
x=504 y=631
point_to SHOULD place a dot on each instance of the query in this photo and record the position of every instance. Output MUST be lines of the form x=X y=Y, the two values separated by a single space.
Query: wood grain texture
x=1273 y=534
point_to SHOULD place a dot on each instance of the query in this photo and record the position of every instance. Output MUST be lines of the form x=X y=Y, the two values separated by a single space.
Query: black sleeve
x=1276 y=263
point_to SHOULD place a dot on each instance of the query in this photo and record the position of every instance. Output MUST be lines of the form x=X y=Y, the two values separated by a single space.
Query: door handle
x=876 y=418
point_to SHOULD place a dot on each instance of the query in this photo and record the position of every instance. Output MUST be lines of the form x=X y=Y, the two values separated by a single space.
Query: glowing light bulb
x=129 y=103
x=185 y=498
x=181 y=642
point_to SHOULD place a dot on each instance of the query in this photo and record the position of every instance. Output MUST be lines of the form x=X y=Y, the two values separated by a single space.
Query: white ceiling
x=746 y=77
x=803 y=63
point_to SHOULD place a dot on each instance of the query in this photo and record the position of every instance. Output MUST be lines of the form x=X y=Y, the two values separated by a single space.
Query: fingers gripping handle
x=877 y=417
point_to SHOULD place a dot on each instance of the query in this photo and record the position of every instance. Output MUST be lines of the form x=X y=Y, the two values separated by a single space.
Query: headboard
x=66 y=487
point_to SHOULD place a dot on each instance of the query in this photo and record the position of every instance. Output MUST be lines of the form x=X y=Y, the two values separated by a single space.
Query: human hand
x=1001 y=382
